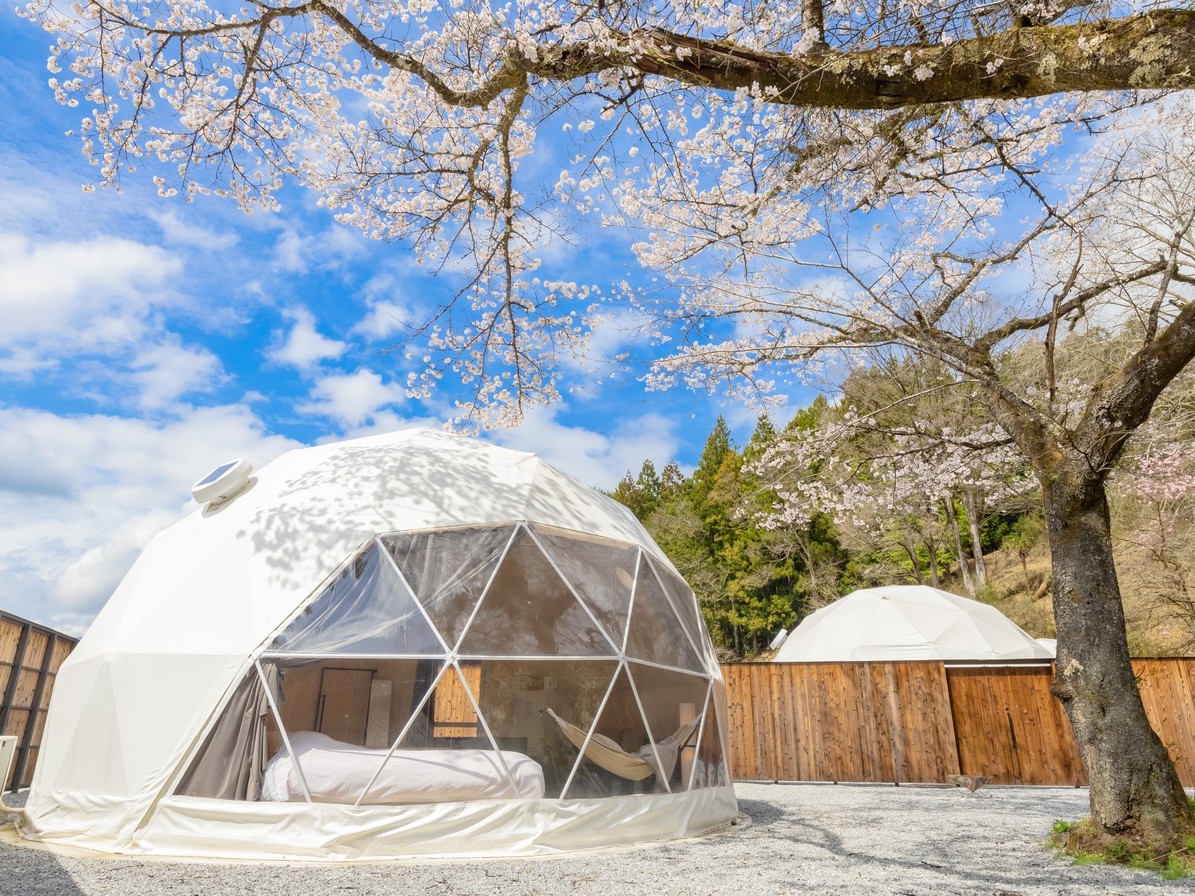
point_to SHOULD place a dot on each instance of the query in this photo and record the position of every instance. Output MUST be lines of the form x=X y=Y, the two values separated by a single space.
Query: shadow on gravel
x=26 y=871
x=761 y=813
x=934 y=868
x=942 y=858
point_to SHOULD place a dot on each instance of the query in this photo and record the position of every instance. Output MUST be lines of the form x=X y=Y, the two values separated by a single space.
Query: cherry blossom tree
x=1116 y=247
x=898 y=484
x=814 y=180
x=1159 y=486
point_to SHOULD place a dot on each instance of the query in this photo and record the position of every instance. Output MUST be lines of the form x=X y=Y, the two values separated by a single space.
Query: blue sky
x=144 y=340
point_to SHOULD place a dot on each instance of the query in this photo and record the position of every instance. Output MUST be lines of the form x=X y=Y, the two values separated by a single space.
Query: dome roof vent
x=226 y=481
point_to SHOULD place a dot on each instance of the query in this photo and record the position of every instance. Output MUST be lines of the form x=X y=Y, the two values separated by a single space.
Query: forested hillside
x=904 y=480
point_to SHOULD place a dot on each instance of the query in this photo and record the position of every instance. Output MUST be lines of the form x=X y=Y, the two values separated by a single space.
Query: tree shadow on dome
x=318 y=516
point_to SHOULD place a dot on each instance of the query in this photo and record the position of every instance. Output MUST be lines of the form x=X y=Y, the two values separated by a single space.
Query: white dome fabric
x=907 y=622
x=399 y=592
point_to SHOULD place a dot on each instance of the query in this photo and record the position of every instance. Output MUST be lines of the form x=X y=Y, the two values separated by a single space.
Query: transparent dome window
x=509 y=661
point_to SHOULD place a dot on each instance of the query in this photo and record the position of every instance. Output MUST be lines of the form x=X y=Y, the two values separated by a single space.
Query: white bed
x=337 y=772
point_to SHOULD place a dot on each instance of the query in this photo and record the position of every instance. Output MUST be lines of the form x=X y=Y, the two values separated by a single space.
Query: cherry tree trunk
x=963 y=567
x=1135 y=790
x=931 y=548
x=973 y=500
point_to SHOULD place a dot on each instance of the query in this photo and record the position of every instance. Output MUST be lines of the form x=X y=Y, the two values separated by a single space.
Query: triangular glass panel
x=367 y=609
x=655 y=632
x=452 y=758
x=710 y=768
x=601 y=572
x=448 y=570
x=529 y=610
x=568 y=717
x=684 y=604
x=672 y=702
x=414 y=700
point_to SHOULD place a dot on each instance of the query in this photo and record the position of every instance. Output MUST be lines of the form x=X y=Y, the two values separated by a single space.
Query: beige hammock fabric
x=637 y=766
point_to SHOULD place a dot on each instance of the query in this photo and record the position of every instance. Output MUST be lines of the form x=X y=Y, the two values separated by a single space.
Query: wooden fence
x=30 y=656
x=920 y=722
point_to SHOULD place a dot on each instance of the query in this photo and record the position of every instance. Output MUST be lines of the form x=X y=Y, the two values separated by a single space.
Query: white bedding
x=337 y=772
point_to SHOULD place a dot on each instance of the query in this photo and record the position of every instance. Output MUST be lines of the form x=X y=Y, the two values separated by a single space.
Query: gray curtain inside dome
x=233 y=759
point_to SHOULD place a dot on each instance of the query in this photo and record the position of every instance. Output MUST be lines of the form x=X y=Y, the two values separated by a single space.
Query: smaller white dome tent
x=907 y=622
x=370 y=649
x=1050 y=644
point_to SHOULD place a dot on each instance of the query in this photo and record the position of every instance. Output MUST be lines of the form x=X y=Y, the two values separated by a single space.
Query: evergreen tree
x=626 y=492
x=717 y=446
x=647 y=485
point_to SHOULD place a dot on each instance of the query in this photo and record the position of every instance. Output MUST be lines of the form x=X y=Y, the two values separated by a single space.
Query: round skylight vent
x=222 y=483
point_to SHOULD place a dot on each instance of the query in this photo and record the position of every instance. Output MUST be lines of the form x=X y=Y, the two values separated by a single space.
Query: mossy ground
x=1086 y=844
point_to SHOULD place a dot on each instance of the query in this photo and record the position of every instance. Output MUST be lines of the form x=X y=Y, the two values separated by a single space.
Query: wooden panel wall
x=922 y=722
x=1168 y=691
x=454 y=712
x=840 y=722
x=30 y=656
x=1010 y=727
x=301 y=684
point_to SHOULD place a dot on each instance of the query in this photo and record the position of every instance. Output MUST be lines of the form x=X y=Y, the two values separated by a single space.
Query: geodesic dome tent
x=907 y=622
x=411 y=644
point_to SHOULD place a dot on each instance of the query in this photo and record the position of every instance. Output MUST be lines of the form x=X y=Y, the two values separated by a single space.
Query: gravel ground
x=855 y=840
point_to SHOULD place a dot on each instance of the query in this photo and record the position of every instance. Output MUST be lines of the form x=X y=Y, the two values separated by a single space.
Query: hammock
x=637 y=766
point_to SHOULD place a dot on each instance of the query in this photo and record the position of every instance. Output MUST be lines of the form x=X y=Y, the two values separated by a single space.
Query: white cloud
x=94 y=311
x=80 y=496
x=297 y=251
x=39 y=187
x=352 y=399
x=166 y=371
x=339 y=243
x=33 y=467
x=85 y=583
x=622 y=333
x=66 y=295
x=596 y=459
x=22 y=362
x=187 y=234
x=383 y=321
x=291 y=252
x=303 y=346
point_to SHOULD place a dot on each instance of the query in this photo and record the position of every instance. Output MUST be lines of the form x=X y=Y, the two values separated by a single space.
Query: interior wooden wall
x=921 y=722
x=301 y=709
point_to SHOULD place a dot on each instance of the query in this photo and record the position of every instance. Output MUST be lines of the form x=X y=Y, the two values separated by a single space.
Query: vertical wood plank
x=1168 y=692
x=454 y=715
